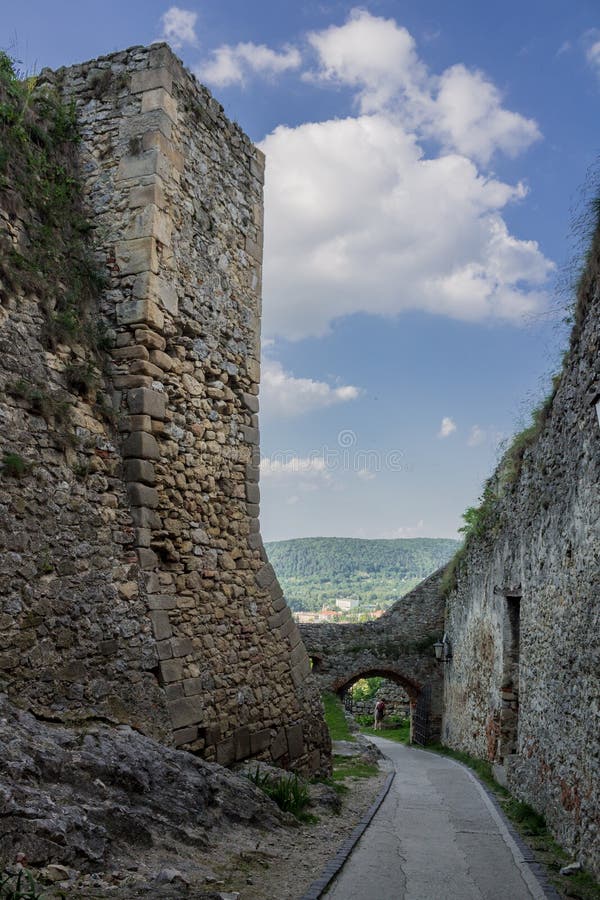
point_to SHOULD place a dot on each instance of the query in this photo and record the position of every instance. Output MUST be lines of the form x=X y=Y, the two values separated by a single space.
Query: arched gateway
x=398 y=646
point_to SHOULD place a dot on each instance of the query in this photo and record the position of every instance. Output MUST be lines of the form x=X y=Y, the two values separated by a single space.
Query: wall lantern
x=443 y=649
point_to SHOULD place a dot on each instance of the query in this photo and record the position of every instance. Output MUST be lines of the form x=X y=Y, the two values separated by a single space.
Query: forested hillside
x=317 y=571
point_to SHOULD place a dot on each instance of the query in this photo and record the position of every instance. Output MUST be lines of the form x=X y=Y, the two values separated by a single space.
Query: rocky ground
x=105 y=812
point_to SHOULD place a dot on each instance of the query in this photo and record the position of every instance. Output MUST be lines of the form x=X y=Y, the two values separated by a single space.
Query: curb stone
x=334 y=865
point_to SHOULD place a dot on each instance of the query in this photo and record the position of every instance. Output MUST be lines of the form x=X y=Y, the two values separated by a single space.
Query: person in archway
x=379 y=714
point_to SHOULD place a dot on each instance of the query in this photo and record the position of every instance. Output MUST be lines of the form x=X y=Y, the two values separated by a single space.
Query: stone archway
x=411 y=687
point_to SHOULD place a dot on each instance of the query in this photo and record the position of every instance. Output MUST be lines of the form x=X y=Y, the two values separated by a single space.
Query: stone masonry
x=398 y=646
x=156 y=604
x=523 y=686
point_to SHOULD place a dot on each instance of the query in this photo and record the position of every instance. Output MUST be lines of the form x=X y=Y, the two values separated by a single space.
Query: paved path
x=437 y=836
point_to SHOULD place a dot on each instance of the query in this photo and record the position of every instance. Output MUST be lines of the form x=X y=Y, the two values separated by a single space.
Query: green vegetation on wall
x=40 y=187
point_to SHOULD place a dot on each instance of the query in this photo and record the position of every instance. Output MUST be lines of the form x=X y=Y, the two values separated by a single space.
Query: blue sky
x=423 y=163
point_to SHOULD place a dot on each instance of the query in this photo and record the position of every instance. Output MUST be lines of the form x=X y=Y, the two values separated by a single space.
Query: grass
x=18 y=886
x=289 y=793
x=14 y=465
x=352 y=767
x=400 y=733
x=336 y=719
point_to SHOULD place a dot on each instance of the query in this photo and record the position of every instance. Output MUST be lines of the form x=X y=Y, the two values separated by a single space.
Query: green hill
x=316 y=571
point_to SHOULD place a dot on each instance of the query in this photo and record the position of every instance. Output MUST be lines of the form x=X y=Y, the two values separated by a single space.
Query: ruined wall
x=175 y=595
x=523 y=686
x=398 y=646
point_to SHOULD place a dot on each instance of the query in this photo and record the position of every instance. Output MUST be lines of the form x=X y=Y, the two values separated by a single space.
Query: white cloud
x=406 y=531
x=359 y=219
x=461 y=109
x=592 y=55
x=476 y=437
x=447 y=427
x=232 y=64
x=283 y=395
x=366 y=474
x=304 y=474
x=179 y=27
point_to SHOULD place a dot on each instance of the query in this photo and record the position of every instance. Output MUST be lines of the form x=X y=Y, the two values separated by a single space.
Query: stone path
x=436 y=835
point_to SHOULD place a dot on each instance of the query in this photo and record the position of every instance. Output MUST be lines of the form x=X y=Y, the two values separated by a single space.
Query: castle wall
x=176 y=195
x=523 y=686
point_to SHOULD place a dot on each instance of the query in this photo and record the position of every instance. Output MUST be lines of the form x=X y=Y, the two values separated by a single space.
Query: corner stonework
x=177 y=194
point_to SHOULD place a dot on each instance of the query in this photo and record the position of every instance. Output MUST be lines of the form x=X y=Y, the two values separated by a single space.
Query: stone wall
x=161 y=608
x=523 y=686
x=398 y=646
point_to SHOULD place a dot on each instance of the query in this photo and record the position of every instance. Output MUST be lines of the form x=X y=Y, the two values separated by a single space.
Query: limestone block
x=138 y=166
x=142 y=495
x=249 y=434
x=140 y=470
x=185 y=712
x=288 y=629
x=126 y=382
x=148 y=559
x=150 y=221
x=162 y=601
x=171 y=670
x=154 y=140
x=298 y=655
x=276 y=594
x=143 y=537
x=132 y=352
x=135 y=423
x=253 y=493
x=150 y=79
x=142 y=367
x=162 y=360
x=279 y=745
x=253 y=369
x=182 y=646
x=147 y=195
x=150 y=339
x=265 y=576
x=173 y=690
x=252 y=473
x=277 y=620
x=255 y=543
x=241 y=739
x=226 y=752
x=161 y=626
x=185 y=735
x=253 y=511
x=163 y=649
x=160 y=99
x=295 y=741
x=150 y=286
x=149 y=403
x=279 y=603
x=260 y=740
x=141 y=446
x=192 y=686
x=136 y=255
x=132 y=312
x=145 y=518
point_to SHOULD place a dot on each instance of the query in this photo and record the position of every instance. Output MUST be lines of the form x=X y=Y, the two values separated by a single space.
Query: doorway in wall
x=509 y=689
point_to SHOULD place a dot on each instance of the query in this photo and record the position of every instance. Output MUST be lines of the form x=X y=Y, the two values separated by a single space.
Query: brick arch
x=412 y=688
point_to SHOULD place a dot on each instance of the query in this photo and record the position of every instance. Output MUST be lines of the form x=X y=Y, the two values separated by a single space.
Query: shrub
x=18 y=886
x=14 y=465
x=289 y=793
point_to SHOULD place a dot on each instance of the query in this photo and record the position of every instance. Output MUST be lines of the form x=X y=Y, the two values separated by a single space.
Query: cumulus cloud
x=447 y=427
x=179 y=27
x=460 y=108
x=359 y=219
x=233 y=64
x=283 y=395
